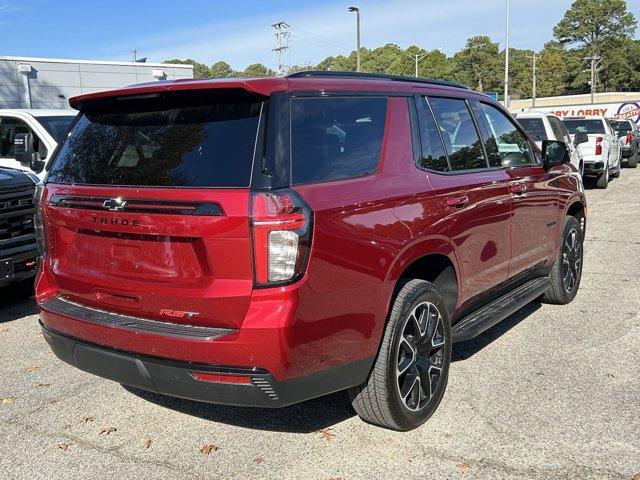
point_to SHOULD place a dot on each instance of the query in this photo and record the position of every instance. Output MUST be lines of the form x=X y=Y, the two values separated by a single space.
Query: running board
x=486 y=317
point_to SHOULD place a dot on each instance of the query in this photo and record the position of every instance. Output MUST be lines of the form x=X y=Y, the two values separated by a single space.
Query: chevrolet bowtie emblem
x=115 y=204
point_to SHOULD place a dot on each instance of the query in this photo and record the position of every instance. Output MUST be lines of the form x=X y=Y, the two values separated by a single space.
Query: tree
x=553 y=70
x=257 y=70
x=221 y=70
x=589 y=23
x=200 y=70
x=479 y=64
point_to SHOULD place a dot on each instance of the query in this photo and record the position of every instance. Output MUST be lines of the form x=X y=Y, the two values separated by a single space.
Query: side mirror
x=580 y=137
x=25 y=153
x=554 y=153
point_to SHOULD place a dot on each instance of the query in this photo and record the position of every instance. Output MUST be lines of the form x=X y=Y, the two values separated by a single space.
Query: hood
x=10 y=178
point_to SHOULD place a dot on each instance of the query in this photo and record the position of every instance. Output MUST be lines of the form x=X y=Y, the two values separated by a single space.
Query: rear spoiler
x=260 y=87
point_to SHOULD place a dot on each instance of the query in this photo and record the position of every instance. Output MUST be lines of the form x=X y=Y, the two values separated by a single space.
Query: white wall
x=52 y=82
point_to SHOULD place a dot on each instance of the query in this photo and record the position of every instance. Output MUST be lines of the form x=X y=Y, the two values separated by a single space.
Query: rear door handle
x=517 y=188
x=457 y=201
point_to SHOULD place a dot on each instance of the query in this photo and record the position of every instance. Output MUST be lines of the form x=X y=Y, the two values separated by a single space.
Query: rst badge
x=177 y=313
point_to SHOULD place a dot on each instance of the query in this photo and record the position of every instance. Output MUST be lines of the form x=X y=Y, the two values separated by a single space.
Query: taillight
x=281 y=235
x=598 y=145
x=629 y=138
x=38 y=220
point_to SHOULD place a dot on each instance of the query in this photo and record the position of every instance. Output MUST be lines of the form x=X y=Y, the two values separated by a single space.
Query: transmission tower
x=282 y=43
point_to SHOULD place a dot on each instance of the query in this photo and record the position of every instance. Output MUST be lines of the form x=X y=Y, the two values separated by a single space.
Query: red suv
x=261 y=242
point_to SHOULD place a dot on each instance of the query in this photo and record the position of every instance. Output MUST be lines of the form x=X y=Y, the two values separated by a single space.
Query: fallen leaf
x=33 y=369
x=326 y=433
x=4 y=329
x=448 y=435
x=86 y=420
x=463 y=467
x=66 y=426
x=208 y=448
x=636 y=476
x=612 y=375
x=43 y=385
x=107 y=430
x=147 y=442
x=8 y=400
x=64 y=446
x=258 y=460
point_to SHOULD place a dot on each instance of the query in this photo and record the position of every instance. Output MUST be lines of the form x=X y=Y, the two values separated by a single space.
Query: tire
x=632 y=161
x=603 y=179
x=566 y=272
x=418 y=306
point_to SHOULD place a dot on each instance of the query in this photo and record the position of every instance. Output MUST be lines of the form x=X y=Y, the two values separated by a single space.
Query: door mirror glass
x=580 y=138
x=554 y=153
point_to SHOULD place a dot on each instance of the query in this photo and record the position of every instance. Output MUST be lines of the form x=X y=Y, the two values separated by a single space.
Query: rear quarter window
x=335 y=138
x=587 y=126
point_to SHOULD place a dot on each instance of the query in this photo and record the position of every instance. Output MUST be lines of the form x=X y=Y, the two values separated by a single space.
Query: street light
x=506 y=62
x=357 y=10
x=414 y=56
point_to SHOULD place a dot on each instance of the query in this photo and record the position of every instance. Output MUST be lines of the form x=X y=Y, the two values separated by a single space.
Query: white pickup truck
x=42 y=129
x=601 y=153
x=546 y=126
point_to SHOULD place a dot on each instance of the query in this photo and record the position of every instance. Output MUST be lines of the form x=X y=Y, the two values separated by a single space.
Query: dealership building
x=619 y=105
x=27 y=82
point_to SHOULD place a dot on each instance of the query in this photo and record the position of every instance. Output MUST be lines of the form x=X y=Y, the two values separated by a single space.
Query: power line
x=317 y=37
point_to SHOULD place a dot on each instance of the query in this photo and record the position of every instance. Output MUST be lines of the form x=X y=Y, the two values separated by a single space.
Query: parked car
x=261 y=242
x=18 y=252
x=629 y=135
x=600 y=149
x=546 y=126
x=39 y=131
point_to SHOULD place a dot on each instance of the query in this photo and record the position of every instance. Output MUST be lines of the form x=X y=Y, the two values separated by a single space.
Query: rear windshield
x=336 y=137
x=584 y=126
x=534 y=127
x=623 y=127
x=162 y=143
x=56 y=126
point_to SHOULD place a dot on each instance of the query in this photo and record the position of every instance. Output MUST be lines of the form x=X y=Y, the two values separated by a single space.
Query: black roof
x=374 y=76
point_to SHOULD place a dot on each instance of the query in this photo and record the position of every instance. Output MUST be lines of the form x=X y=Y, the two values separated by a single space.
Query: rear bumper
x=627 y=152
x=593 y=168
x=176 y=378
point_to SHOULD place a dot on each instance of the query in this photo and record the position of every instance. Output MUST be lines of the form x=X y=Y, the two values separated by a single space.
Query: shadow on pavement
x=16 y=301
x=305 y=417
x=465 y=350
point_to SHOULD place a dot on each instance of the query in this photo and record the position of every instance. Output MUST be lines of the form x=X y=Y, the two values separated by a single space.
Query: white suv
x=601 y=152
x=546 y=126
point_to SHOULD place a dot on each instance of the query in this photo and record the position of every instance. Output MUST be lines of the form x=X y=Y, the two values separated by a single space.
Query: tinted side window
x=535 y=127
x=433 y=155
x=511 y=148
x=459 y=133
x=335 y=137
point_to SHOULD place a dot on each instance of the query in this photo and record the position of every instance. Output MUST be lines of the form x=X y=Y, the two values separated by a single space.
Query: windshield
x=56 y=126
x=534 y=127
x=584 y=126
x=166 y=143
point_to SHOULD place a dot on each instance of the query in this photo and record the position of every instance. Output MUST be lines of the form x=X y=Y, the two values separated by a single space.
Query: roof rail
x=373 y=76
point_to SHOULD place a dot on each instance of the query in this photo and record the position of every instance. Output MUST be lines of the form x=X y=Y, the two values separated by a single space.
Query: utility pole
x=134 y=53
x=534 y=80
x=282 y=35
x=595 y=68
x=357 y=10
x=506 y=61
x=416 y=58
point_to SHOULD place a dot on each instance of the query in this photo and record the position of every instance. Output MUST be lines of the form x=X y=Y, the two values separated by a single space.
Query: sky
x=240 y=33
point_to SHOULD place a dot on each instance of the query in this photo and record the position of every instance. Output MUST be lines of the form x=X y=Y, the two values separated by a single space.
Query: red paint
x=366 y=232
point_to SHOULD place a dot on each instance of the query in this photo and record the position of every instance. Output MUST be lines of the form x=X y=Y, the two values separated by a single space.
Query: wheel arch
x=433 y=261
x=577 y=209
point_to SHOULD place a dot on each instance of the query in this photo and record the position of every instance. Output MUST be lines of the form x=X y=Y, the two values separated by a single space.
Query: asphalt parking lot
x=551 y=392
